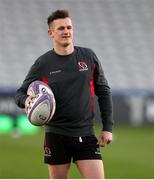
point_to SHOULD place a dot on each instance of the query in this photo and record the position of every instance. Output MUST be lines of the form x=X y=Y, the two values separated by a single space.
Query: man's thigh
x=58 y=171
x=88 y=158
x=91 y=169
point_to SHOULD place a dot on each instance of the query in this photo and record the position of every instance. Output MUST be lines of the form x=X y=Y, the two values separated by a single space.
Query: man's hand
x=28 y=102
x=104 y=138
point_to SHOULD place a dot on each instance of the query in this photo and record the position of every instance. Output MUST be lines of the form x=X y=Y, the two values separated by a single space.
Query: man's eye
x=61 y=28
x=69 y=27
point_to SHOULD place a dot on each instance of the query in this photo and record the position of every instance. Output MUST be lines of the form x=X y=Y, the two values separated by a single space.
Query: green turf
x=131 y=155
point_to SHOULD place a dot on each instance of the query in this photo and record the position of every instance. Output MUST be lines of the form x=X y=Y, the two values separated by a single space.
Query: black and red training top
x=74 y=80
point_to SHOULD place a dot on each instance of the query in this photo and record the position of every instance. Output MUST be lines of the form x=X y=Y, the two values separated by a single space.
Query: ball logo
x=82 y=66
x=43 y=90
x=43 y=118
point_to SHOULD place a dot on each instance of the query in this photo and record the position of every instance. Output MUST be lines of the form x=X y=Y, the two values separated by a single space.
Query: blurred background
x=121 y=32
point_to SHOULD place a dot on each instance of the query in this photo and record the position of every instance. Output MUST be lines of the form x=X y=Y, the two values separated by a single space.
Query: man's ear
x=50 y=32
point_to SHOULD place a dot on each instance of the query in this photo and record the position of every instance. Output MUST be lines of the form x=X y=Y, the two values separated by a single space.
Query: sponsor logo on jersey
x=82 y=66
x=55 y=72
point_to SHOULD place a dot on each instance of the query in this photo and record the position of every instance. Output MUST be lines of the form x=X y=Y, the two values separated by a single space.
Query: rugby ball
x=39 y=87
x=42 y=109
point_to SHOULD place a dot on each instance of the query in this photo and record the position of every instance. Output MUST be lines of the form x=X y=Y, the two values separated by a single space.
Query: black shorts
x=61 y=149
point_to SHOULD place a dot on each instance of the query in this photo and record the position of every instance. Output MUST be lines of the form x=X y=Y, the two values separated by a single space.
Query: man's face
x=61 y=31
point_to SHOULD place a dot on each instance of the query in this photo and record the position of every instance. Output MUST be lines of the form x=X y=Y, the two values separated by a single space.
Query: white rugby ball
x=42 y=109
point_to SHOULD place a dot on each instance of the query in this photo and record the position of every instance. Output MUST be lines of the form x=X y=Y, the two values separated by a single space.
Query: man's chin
x=66 y=44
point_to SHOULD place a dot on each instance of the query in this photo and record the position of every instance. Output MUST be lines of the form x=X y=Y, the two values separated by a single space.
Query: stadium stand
x=120 y=32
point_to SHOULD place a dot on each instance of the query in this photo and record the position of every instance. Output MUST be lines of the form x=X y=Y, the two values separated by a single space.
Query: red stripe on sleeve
x=92 y=89
x=44 y=79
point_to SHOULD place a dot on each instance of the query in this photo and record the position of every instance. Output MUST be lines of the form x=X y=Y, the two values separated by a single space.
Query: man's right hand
x=29 y=101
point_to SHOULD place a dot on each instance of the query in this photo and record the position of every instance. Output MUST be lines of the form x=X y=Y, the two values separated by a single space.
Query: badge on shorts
x=47 y=151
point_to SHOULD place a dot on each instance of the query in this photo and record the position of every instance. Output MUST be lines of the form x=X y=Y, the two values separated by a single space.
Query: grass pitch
x=131 y=155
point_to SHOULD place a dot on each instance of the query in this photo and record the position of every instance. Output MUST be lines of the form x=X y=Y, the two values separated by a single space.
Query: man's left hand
x=104 y=138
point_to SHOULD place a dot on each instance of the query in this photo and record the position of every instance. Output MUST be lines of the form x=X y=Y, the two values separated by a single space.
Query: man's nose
x=66 y=30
